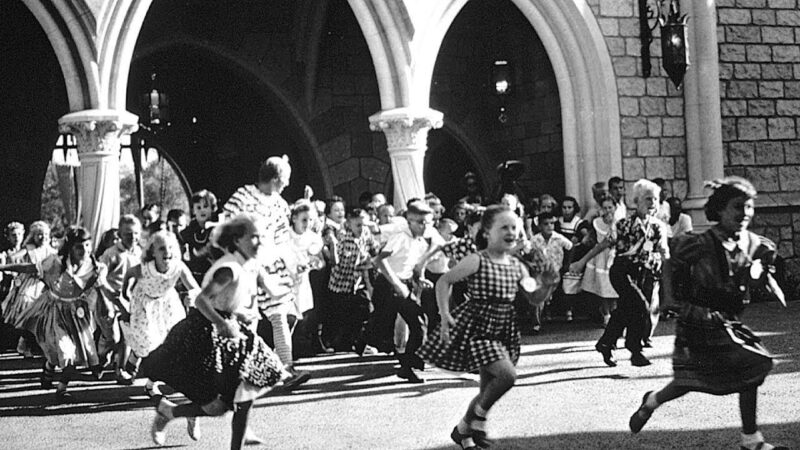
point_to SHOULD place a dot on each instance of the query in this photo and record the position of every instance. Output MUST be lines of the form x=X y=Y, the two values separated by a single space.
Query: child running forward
x=155 y=306
x=482 y=332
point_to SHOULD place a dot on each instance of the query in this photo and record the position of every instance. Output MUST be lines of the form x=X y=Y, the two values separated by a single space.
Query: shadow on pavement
x=785 y=434
x=86 y=401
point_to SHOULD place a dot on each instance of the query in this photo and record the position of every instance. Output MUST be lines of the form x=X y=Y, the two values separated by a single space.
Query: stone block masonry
x=759 y=50
x=759 y=57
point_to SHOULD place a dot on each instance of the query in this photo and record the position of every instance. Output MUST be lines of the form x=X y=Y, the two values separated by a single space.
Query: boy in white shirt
x=397 y=285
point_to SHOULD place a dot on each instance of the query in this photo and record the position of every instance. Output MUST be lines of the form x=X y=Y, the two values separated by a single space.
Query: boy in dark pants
x=398 y=287
x=641 y=249
x=349 y=283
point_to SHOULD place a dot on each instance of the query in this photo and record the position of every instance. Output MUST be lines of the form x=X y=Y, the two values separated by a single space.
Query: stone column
x=702 y=114
x=98 y=134
x=406 y=132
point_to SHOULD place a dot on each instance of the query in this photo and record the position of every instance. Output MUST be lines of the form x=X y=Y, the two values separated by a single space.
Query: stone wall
x=651 y=109
x=346 y=94
x=759 y=51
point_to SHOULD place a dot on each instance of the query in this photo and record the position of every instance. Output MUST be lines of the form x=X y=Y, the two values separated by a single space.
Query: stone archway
x=312 y=157
x=573 y=42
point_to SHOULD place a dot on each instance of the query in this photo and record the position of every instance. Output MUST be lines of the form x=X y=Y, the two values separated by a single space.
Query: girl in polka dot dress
x=481 y=334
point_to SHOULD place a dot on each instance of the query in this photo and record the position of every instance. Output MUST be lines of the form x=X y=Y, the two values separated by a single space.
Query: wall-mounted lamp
x=674 y=50
x=156 y=103
x=501 y=80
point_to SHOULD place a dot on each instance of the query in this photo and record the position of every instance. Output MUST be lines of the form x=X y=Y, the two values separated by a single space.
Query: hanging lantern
x=156 y=104
x=501 y=75
x=674 y=51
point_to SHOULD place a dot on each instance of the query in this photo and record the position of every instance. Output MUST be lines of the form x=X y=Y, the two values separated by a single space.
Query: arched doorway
x=529 y=130
x=577 y=52
x=34 y=98
x=221 y=123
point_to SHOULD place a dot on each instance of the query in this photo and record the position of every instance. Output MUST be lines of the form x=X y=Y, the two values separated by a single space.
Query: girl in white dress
x=599 y=259
x=307 y=246
x=155 y=306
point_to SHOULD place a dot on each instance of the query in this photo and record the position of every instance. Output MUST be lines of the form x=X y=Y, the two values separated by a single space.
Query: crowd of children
x=179 y=302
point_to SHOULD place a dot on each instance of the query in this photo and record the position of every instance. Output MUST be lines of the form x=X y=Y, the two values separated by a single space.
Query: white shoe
x=369 y=350
x=158 y=429
x=251 y=438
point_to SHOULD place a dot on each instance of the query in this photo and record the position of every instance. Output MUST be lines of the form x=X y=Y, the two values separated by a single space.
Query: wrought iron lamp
x=156 y=104
x=501 y=76
x=674 y=50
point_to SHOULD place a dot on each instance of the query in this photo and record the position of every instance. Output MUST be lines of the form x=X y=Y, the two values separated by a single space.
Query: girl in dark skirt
x=708 y=278
x=482 y=332
x=214 y=357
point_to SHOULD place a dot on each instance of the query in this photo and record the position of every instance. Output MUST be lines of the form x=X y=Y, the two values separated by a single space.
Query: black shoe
x=359 y=346
x=97 y=372
x=639 y=360
x=464 y=441
x=297 y=378
x=46 y=378
x=608 y=356
x=641 y=416
x=62 y=396
x=407 y=373
x=417 y=362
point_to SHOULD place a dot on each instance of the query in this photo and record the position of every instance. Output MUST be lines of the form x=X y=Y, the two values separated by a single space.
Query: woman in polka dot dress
x=481 y=334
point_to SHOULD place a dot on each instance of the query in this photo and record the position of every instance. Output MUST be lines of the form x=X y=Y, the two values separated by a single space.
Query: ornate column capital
x=98 y=130
x=98 y=134
x=406 y=128
x=406 y=132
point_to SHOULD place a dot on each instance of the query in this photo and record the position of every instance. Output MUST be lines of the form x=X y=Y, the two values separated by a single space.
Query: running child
x=155 y=306
x=482 y=334
x=62 y=319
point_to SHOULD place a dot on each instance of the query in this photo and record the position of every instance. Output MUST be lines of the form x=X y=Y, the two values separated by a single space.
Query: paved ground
x=565 y=398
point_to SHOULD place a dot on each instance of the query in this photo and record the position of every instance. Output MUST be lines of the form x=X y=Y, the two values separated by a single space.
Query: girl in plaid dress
x=482 y=332
x=708 y=278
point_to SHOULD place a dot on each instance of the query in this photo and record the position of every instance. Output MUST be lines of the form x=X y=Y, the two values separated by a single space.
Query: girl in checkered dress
x=482 y=332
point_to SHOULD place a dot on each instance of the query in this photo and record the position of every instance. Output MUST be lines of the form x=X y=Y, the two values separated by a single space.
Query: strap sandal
x=152 y=390
x=480 y=435
x=641 y=416
x=465 y=441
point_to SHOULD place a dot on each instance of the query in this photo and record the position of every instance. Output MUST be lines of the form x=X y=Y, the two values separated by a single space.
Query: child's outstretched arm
x=444 y=288
x=191 y=285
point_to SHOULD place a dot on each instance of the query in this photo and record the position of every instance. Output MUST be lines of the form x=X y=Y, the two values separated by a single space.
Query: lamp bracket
x=659 y=12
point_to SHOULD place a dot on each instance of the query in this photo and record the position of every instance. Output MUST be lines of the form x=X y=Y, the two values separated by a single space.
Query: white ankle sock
x=752 y=440
x=651 y=403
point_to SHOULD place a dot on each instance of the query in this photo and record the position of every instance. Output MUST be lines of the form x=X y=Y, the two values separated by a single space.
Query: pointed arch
x=404 y=57
x=274 y=94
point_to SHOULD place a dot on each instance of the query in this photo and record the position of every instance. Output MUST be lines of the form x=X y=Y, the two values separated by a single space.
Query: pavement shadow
x=787 y=434
x=85 y=401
